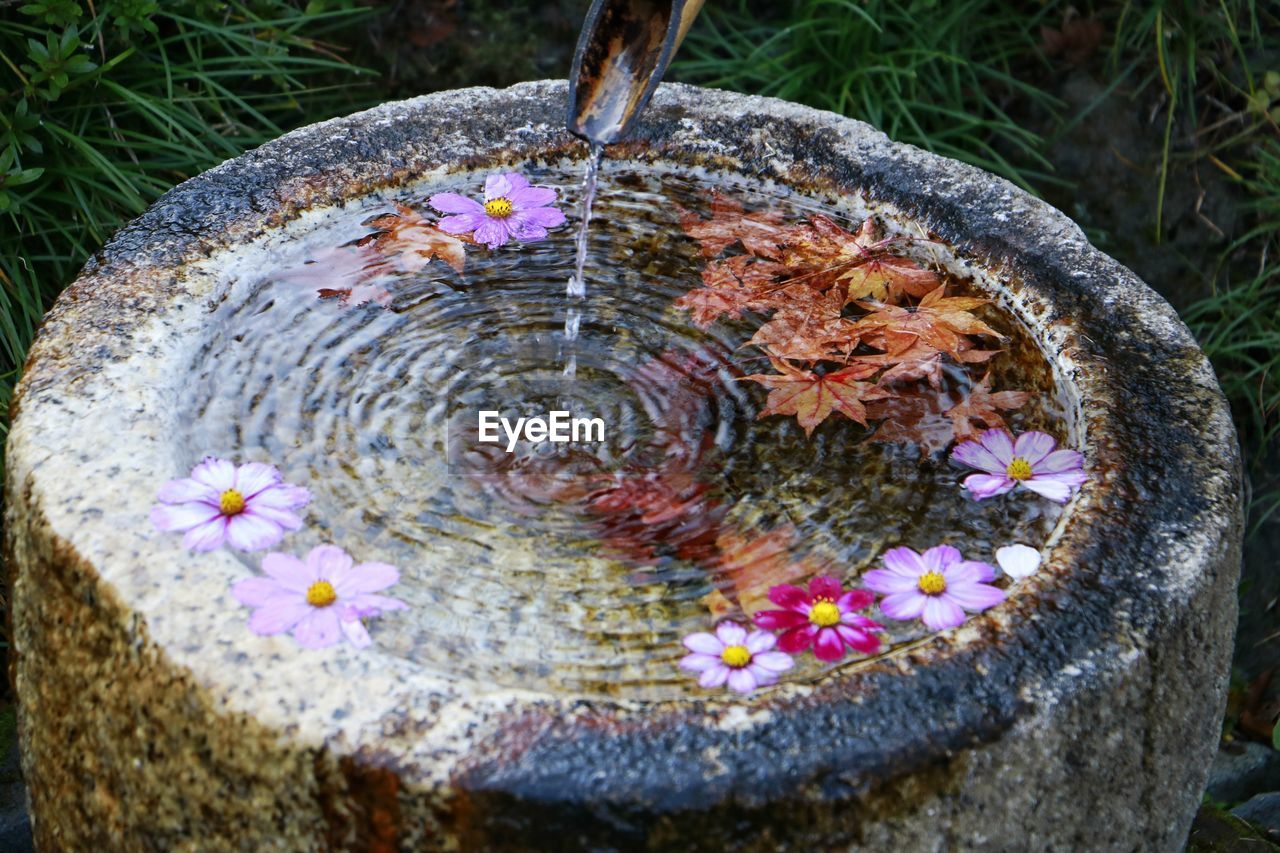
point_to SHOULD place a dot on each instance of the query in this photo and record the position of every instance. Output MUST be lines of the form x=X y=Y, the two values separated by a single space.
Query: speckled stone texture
x=1082 y=714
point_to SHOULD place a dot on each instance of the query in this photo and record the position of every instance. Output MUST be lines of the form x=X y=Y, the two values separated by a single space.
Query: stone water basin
x=529 y=697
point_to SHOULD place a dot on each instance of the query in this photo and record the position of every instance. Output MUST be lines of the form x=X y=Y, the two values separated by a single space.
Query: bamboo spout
x=624 y=49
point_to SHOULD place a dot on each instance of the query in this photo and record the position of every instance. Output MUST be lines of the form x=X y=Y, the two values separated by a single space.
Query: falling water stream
x=577 y=289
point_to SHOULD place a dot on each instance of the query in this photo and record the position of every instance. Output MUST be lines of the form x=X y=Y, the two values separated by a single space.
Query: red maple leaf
x=939 y=321
x=983 y=406
x=753 y=562
x=913 y=418
x=812 y=397
x=760 y=233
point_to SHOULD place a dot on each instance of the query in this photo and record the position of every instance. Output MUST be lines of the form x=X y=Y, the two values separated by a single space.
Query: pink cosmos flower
x=937 y=587
x=512 y=208
x=824 y=618
x=1030 y=462
x=731 y=655
x=320 y=600
x=249 y=507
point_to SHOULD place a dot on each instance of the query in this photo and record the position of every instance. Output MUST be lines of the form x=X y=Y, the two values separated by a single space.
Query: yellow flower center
x=231 y=502
x=824 y=614
x=932 y=583
x=1019 y=469
x=499 y=207
x=736 y=656
x=321 y=594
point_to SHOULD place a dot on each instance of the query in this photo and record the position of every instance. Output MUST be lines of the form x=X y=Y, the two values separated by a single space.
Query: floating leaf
x=812 y=397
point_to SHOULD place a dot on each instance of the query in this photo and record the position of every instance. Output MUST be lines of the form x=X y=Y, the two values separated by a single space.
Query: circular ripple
x=577 y=566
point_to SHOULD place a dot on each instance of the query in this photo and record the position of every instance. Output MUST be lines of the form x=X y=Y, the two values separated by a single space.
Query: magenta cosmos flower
x=825 y=617
x=936 y=587
x=745 y=661
x=248 y=507
x=1030 y=462
x=320 y=600
x=512 y=208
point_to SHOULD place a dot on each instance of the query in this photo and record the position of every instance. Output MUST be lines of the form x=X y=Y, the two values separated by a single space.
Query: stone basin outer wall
x=1081 y=714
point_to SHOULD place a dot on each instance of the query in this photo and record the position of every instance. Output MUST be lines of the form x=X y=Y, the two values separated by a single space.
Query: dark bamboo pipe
x=624 y=49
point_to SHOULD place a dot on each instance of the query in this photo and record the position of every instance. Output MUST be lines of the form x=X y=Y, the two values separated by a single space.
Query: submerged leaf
x=983 y=406
x=812 y=397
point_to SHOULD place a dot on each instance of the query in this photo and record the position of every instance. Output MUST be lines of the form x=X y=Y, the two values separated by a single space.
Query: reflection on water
x=576 y=566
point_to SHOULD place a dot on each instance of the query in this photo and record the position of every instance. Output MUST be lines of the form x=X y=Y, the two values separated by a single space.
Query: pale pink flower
x=1030 y=462
x=936 y=587
x=511 y=209
x=825 y=618
x=249 y=507
x=320 y=600
x=744 y=661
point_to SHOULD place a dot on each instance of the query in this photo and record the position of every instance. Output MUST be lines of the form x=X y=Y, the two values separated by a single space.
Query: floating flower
x=937 y=587
x=320 y=600
x=745 y=661
x=248 y=507
x=1018 y=561
x=512 y=208
x=824 y=618
x=1030 y=462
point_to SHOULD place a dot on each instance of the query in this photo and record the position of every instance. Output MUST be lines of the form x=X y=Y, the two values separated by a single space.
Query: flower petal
x=999 y=444
x=526 y=197
x=773 y=661
x=462 y=224
x=1034 y=446
x=824 y=586
x=780 y=620
x=1018 y=561
x=281 y=518
x=859 y=641
x=289 y=571
x=970 y=571
x=318 y=629
x=940 y=613
x=498 y=186
x=249 y=532
x=1059 y=461
x=257 y=591
x=1054 y=490
x=764 y=677
x=368 y=605
x=493 y=233
x=253 y=477
x=699 y=663
x=366 y=577
x=704 y=644
x=855 y=599
x=742 y=681
x=828 y=646
x=207 y=536
x=215 y=472
x=940 y=557
x=282 y=496
x=176 y=517
x=328 y=562
x=797 y=639
x=526 y=232
x=973 y=454
x=356 y=633
x=187 y=489
x=974 y=597
x=903 y=605
x=887 y=583
x=984 y=486
x=542 y=217
x=714 y=677
x=759 y=642
x=789 y=597
x=454 y=203
x=278 y=616
x=903 y=561
x=731 y=634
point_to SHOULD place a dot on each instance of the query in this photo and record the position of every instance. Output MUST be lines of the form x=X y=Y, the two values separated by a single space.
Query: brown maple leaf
x=812 y=397
x=412 y=242
x=823 y=254
x=809 y=328
x=913 y=418
x=760 y=233
x=731 y=286
x=920 y=361
x=983 y=406
x=940 y=321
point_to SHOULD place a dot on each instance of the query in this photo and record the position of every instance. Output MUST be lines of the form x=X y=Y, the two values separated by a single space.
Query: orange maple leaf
x=940 y=321
x=412 y=242
x=751 y=563
x=812 y=397
x=760 y=233
x=984 y=407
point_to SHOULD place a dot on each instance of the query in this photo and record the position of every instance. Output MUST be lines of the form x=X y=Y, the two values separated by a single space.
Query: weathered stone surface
x=1083 y=713
x=1243 y=769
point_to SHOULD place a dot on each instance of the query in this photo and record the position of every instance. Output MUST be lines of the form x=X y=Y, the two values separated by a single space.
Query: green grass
x=939 y=74
x=105 y=110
